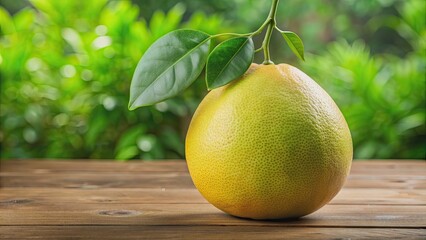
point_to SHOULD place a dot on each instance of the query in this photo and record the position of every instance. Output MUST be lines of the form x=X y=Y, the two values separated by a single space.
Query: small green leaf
x=228 y=61
x=127 y=153
x=295 y=43
x=169 y=66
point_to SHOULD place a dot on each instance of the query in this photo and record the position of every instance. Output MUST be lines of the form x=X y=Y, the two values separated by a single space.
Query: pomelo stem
x=271 y=26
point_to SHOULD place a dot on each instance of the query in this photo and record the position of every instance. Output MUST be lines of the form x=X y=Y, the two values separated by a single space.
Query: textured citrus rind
x=272 y=144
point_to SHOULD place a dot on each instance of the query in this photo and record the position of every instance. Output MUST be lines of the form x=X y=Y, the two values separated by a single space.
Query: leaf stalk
x=271 y=25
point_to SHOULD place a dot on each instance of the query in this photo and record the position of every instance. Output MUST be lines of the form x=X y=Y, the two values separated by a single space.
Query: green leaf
x=129 y=137
x=295 y=43
x=161 y=23
x=228 y=61
x=169 y=66
x=6 y=22
x=127 y=153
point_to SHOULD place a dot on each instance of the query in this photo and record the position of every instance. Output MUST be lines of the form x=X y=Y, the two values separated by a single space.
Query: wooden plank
x=99 y=180
x=402 y=167
x=46 y=196
x=109 y=195
x=203 y=214
x=386 y=181
x=377 y=196
x=204 y=232
x=157 y=200
x=176 y=180
x=87 y=166
x=391 y=163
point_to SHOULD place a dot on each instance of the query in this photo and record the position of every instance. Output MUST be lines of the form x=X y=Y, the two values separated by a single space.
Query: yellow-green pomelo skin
x=271 y=144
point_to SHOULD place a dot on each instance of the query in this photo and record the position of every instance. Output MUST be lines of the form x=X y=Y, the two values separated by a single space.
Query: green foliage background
x=66 y=66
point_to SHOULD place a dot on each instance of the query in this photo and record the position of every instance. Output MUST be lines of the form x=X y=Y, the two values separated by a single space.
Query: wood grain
x=98 y=180
x=205 y=232
x=174 y=174
x=175 y=180
x=28 y=213
x=87 y=166
x=157 y=200
x=358 y=196
x=90 y=166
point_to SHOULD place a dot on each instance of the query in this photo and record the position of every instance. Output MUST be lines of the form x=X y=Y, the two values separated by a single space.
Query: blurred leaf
x=129 y=137
x=412 y=121
x=6 y=23
x=127 y=153
x=161 y=23
x=214 y=25
x=96 y=126
x=174 y=142
x=48 y=8
x=24 y=19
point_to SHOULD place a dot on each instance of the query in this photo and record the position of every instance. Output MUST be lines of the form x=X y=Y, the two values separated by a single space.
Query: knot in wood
x=119 y=213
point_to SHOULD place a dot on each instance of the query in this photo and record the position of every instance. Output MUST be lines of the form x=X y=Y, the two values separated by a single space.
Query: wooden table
x=157 y=200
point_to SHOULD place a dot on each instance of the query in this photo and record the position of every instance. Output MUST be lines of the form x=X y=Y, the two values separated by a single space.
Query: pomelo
x=271 y=144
